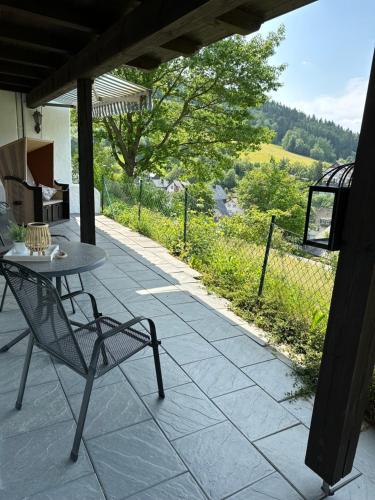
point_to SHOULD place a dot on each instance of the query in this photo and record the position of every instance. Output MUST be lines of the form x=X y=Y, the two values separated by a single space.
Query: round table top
x=81 y=257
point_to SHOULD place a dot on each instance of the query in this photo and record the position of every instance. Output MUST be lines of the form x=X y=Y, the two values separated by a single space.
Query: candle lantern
x=326 y=207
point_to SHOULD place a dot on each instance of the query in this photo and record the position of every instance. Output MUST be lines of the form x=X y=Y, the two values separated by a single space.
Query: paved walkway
x=225 y=429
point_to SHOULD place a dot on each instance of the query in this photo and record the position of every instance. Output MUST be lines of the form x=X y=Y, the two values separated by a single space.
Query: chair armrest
x=92 y=298
x=60 y=236
x=122 y=327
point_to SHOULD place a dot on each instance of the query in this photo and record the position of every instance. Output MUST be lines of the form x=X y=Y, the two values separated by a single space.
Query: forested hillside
x=306 y=135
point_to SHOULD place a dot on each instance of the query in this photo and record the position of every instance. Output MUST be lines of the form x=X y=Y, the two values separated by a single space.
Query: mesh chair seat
x=118 y=348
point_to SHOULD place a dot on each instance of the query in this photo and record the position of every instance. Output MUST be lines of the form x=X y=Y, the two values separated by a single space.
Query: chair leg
x=3 y=296
x=68 y=288
x=82 y=416
x=155 y=347
x=25 y=371
x=80 y=280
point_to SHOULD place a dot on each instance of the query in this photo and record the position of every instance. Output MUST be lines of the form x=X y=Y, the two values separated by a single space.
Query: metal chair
x=91 y=350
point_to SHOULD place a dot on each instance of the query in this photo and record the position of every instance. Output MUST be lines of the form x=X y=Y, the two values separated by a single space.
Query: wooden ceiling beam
x=145 y=62
x=18 y=81
x=240 y=21
x=13 y=88
x=35 y=58
x=9 y=11
x=16 y=69
x=184 y=45
x=151 y=25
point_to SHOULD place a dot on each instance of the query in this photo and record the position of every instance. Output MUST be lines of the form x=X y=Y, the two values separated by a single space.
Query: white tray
x=49 y=255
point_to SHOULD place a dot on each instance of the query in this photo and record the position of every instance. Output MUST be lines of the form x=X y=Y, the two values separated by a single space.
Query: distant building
x=233 y=208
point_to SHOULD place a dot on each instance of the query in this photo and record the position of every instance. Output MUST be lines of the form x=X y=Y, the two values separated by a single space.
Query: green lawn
x=277 y=152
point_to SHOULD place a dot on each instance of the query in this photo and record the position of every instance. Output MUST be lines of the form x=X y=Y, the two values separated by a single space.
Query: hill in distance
x=306 y=135
x=276 y=152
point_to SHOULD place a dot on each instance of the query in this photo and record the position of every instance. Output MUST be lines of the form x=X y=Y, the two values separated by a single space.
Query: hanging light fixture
x=37 y=115
x=326 y=207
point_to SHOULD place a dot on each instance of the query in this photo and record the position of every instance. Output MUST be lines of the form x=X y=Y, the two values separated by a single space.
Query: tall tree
x=200 y=118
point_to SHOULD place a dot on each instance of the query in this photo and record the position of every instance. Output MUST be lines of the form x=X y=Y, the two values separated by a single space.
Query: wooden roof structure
x=46 y=46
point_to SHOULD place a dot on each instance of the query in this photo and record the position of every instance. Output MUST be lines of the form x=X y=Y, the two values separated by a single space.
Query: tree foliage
x=307 y=135
x=273 y=190
x=200 y=119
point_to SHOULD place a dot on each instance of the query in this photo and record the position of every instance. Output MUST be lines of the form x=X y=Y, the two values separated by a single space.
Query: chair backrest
x=43 y=310
x=6 y=219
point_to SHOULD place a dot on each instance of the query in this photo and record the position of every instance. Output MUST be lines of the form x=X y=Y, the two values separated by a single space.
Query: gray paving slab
x=171 y=326
x=39 y=460
x=84 y=488
x=189 y=348
x=73 y=383
x=112 y=407
x=49 y=397
x=254 y=412
x=179 y=488
x=286 y=450
x=141 y=374
x=214 y=328
x=184 y=410
x=12 y=320
x=134 y=459
x=365 y=458
x=192 y=311
x=148 y=308
x=11 y=365
x=217 y=376
x=301 y=408
x=222 y=460
x=275 y=377
x=272 y=487
x=243 y=351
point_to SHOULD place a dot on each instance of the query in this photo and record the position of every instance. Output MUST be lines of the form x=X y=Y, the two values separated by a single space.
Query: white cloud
x=345 y=109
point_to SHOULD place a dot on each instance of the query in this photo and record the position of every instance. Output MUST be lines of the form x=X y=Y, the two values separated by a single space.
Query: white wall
x=16 y=121
x=55 y=127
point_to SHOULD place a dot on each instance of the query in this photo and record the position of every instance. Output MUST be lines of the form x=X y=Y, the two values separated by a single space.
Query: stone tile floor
x=226 y=428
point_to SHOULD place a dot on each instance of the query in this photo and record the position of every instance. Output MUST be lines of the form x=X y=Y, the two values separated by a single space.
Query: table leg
x=58 y=285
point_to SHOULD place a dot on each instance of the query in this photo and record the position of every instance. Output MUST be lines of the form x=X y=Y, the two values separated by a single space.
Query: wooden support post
x=86 y=161
x=349 y=348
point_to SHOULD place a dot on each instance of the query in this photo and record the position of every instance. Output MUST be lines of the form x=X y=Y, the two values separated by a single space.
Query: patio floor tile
x=11 y=365
x=133 y=459
x=141 y=374
x=179 y=488
x=214 y=328
x=19 y=348
x=271 y=487
x=254 y=412
x=242 y=351
x=38 y=460
x=365 y=458
x=222 y=460
x=170 y=297
x=111 y=407
x=193 y=311
x=148 y=308
x=361 y=488
x=11 y=320
x=73 y=383
x=286 y=450
x=171 y=326
x=217 y=376
x=48 y=396
x=301 y=408
x=119 y=283
x=184 y=410
x=84 y=488
x=189 y=348
x=275 y=377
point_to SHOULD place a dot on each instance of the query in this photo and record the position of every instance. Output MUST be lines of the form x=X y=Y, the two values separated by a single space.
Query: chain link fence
x=265 y=271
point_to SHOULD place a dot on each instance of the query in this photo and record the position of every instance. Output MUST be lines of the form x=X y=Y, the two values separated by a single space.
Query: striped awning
x=111 y=95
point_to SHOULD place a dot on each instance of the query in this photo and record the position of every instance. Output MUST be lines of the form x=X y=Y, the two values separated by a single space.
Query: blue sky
x=328 y=49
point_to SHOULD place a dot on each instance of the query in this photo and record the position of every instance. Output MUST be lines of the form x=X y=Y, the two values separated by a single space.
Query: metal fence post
x=185 y=216
x=266 y=255
x=102 y=200
x=140 y=200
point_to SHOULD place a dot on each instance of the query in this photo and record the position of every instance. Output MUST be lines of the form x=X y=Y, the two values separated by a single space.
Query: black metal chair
x=91 y=350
